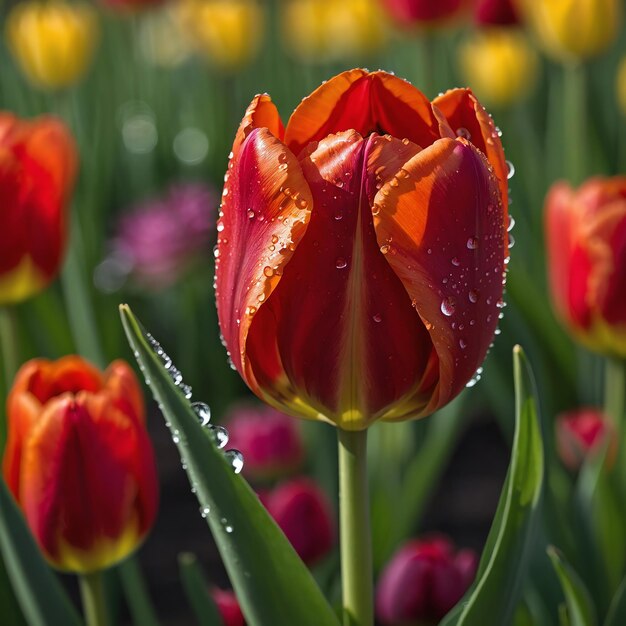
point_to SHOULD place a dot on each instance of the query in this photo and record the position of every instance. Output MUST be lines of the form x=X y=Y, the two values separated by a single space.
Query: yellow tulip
x=499 y=64
x=326 y=30
x=573 y=30
x=621 y=85
x=227 y=32
x=162 y=40
x=53 y=42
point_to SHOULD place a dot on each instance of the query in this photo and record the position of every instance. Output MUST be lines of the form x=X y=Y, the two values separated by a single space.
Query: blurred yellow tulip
x=499 y=64
x=53 y=42
x=327 y=30
x=621 y=85
x=573 y=30
x=227 y=32
x=162 y=40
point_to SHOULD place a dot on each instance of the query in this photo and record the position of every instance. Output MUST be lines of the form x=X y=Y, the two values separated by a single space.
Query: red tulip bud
x=303 y=512
x=495 y=13
x=269 y=441
x=423 y=581
x=228 y=607
x=582 y=432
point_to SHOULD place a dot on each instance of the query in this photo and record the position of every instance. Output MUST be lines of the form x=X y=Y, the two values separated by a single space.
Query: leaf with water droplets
x=271 y=582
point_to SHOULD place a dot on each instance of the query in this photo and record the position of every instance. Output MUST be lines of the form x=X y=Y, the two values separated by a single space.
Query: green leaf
x=271 y=582
x=43 y=600
x=196 y=590
x=617 y=611
x=580 y=608
x=496 y=591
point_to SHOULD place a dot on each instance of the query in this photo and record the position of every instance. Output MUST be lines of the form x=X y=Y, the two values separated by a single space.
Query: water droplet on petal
x=472 y=243
x=340 y=263
x=385 y=248
x=377 y=318
x=464 y=133
x=448 y=306
x=510 y=170
x=473 y=296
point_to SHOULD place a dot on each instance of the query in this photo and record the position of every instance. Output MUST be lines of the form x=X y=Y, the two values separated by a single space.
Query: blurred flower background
x=153 y=93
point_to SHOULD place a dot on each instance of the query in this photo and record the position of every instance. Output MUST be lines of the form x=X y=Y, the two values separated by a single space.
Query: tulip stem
x=615 y=404
x=92 y=595
x=355 y=534
x=576 y=133
x=10 y=349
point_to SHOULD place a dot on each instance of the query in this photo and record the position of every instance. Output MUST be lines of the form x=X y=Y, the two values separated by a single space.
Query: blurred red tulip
x=495 y=12
x=79 y=461
x=423 y=581
x=228 y=607
x=422 y=12
x=361 y=250
x=582 y=432
x=37 y=169
x=586 y=241
x=269 y=441
x=303 y=513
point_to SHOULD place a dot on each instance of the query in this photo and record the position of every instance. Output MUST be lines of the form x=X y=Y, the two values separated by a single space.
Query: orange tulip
x=37 y=170
x=79 y=461
x=361 y=249
x=586 y=241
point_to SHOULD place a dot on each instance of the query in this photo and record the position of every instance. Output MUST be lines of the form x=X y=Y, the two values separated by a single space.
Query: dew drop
x=202 y=411
x=464 y=133
x=473 y=296
x=204 y=511
x=268 y=271
x=472 y=243
x=235 y=458
x=219 y=435
x=377 y=318
x=385 y=248
x=455 y=261
x=250 y=214
x=340 y=263
x=462 y=344
x=511 y=223
x=448 y=306
x=511 y=241
x=220 y=227
x=510 y=170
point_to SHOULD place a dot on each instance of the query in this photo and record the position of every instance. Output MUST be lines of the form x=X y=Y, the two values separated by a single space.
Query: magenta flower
x=268 y=439
x=160 y=239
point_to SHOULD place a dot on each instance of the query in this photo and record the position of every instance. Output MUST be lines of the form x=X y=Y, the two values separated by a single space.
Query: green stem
x=9 y=346
x=92 y=595
x=428 y=58
x=78 y=302
x=576 y=139
x=355 y=535
x=615 y=405
x=136 y=593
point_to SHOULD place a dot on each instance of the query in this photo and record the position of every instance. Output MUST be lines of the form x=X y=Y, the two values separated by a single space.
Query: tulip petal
x=266 y=204
x=74 y=493
x=468 y=118
x=365 y=102
x=443 y=224
x=120 y=383
x=340 y=319
x=261 y=113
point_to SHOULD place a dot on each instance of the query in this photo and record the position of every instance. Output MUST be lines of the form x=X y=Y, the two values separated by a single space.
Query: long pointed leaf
x=197 y=591
x=580 y=609
x=496 y=592
x=43 y=600
x=271 y=582
x=617 y=612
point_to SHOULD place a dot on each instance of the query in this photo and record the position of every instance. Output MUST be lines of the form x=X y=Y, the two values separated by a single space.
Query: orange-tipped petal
x=338 y=340
x=261 y=113
x=267 y=204
x=364 y=102
x=442 y=223
x=469 y=119
x=121 y=384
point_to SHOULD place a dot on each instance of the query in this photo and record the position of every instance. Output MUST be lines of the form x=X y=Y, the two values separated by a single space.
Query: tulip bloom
x=495 y=12
x=53 y=42
x=573 y=30
x=361 y=249
x=269 y=441
x=423 y=581
x=303 y=513
x=79 y=461
x=37 y=171
x=582 y=433
x=586 y=245
x=422 y=12
x=227 y=32
x=228 y=607
x=500 y=64
x=327 y=30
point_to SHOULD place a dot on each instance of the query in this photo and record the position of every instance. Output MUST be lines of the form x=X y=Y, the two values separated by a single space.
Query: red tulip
x=495 y=12
x=423 y=581
x=586 y=242
x=269 y=441
x=361 y=250
x=582 y=432
x=303 y=513
x=37 y=170
x=418 y=12
x=228 y=607
x=79 y=461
